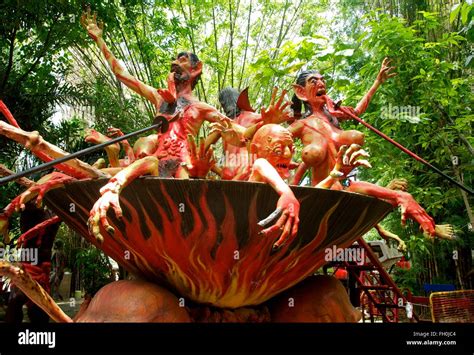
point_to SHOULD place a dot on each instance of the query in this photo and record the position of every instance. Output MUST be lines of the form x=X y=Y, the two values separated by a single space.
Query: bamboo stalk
x=216 y=51
x=246 y=46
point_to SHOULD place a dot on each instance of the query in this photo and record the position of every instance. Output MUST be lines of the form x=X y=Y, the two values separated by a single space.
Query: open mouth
x=321 y=92
x=282 y=166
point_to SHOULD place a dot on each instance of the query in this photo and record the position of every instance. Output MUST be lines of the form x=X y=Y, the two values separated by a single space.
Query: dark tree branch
x=10 y=59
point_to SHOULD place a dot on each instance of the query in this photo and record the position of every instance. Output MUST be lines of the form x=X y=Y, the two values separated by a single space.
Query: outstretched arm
x=384 y=73
x=288 y=206
x=409 y=207
x=385 y=234
x=95 y=32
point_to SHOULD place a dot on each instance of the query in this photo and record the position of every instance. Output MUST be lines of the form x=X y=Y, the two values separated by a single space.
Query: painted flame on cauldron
x=211 y=253
x=213 y=270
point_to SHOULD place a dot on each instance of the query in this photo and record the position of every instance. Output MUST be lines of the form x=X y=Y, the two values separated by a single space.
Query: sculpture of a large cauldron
x=200 y=237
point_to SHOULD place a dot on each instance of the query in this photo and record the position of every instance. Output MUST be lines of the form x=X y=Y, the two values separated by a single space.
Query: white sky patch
x=57 y=116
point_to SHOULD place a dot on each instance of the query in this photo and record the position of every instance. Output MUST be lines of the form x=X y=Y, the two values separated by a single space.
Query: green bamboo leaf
x=466 y=8
x=454 y=13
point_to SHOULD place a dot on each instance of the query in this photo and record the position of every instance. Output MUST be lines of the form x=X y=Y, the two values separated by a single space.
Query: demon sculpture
x=321 y=137
x=212 y=250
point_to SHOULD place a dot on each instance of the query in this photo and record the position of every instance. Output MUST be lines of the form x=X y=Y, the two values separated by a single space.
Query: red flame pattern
x=201 y=237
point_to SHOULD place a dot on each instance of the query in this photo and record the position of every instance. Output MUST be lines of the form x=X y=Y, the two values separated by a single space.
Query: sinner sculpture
x=200 y=240
x=321 y=138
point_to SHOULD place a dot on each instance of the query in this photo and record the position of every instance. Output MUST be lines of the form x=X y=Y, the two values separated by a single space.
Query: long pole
x=80 y=153
x=405 y=150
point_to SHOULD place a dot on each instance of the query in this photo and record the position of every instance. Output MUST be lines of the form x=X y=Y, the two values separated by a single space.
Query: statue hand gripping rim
x=177 y=104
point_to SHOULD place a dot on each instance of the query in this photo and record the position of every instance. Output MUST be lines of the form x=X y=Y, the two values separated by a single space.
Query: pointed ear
x=243 y=101
x=300 y=92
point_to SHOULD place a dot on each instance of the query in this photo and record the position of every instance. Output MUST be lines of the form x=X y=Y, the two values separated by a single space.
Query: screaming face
x=315 y=85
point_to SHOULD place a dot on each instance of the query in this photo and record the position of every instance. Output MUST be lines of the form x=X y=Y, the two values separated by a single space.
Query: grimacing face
x=278 y=151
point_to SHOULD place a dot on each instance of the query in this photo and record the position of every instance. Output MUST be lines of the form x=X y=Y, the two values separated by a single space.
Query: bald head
x=271 y=132
x=268 y=138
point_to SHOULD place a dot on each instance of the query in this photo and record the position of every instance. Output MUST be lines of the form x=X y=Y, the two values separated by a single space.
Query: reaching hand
x=385 y=71
x=276 y=112
x=201 y=161
x=288 y=209
x=411 y=209
x=402 y=246
x=94 y=137
x=227 y=132
x=89 y=22
x=113 y=132
x=445 y=231
x=98 y=213
x=45 y=184
x=398 y=184
x=348 y=158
